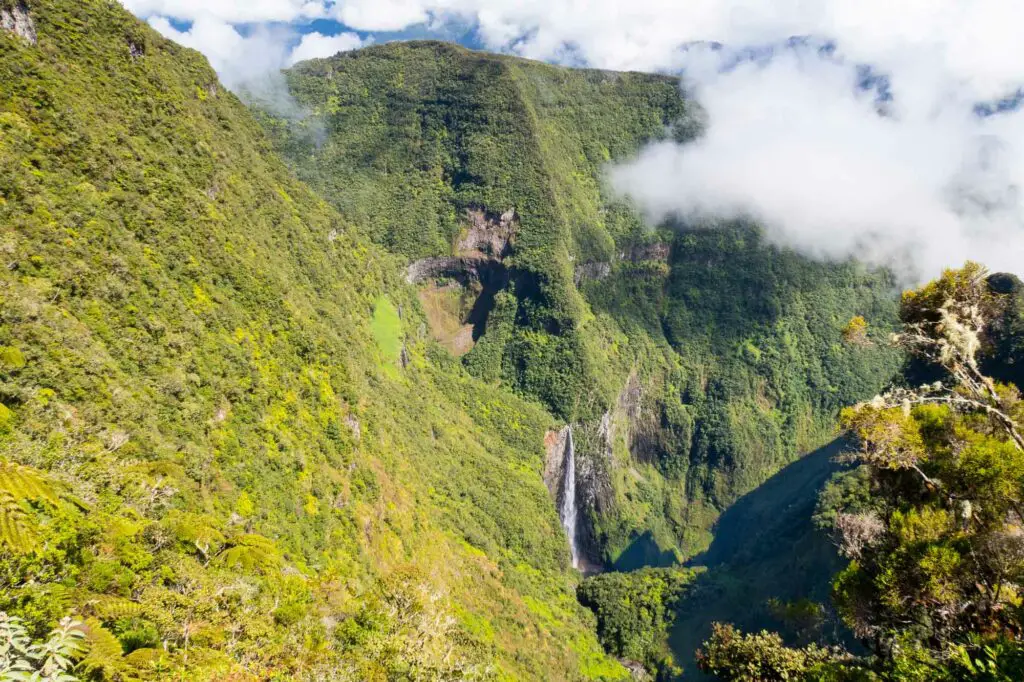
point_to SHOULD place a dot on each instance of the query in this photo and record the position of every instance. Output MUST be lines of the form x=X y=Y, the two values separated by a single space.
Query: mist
x=250 y=63
x=837 y=170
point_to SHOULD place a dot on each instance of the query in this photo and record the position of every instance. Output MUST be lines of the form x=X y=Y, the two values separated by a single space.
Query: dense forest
x=716 y=358
x=228 y=447
x=300 y=396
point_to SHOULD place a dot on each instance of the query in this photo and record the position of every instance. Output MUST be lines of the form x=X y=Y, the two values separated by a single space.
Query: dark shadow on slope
x=642 y=552
x=493 y=279
x=765 y=547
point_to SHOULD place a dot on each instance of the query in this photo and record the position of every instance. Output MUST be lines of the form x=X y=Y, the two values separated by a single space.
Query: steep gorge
x=693 y=361
x=269 y=465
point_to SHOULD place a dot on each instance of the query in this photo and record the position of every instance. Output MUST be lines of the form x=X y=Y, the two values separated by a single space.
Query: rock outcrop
x=18 y=21
x=595 y=270
x=488 y=236
x=657 y=251
x=554 y=461
x=646 y=253
x=461 y=268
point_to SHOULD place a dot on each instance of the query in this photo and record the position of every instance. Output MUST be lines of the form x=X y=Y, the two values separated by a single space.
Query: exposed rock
x=606 y=434
x=18 y=21
x=462 y=342
x=641 y=417
x=136 y=50
x=648 y=252
x=463 y=269
x=592 y=271
x=629 y=400
x=353 y=424
x=595 y=462
x=598 y=270
x=554 y=460
x=636 y=670
x=488 y=235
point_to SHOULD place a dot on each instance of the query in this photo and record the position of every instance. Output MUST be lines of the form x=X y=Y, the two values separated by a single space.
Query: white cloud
x=229 y=11
x=381 y=15
x=795 y=145
x=237 y=59
x=317 y=45
x=973 y=39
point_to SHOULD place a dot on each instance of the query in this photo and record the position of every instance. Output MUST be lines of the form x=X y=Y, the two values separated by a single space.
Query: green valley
x=306 y=394
x=711 y=358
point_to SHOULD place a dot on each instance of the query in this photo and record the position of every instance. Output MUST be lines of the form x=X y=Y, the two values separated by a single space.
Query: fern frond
x=15 y=529
x=196 y=531
x=115 y=608
x=145 y=661
x=250 y=552
x=105 y=654
x=20 y=484
x=24 y=483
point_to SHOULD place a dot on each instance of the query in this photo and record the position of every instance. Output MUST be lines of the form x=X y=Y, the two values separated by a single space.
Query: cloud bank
x=798 y=145
x=242 y=57
x=795 y=141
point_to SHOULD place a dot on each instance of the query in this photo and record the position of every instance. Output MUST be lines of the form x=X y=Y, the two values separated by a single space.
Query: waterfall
x=568 y=510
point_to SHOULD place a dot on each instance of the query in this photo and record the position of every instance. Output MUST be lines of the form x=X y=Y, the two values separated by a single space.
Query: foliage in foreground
x=935 y=533
x=45 y=661
x=736 y=657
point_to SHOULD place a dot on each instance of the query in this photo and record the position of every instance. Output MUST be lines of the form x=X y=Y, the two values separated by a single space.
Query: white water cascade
x=568 y=511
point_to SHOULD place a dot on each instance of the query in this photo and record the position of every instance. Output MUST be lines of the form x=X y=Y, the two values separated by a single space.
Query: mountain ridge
x=282 y=476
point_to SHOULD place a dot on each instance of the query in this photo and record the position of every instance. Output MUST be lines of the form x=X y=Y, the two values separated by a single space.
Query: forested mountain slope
x=693 y=361
x=928 y=522
x=226 y=443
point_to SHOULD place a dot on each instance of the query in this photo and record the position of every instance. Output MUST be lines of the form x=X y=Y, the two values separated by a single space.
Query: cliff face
x=730 y=350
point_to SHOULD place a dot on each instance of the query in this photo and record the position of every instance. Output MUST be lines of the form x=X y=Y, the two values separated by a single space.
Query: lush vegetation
x=931 y=521
x=635 y=611
x=227 y=448
x=719 y=358
x=230 y=448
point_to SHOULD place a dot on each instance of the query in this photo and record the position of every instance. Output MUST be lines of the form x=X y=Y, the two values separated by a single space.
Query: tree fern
x=148 y=663
x=20 y=485
x=105 y=656
x=109 y=608
x=196 y=531
x=250 y=552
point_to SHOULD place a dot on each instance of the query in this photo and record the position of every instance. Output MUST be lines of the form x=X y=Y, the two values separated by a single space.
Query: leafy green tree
x=736 y=657
x=50 y=660
x=933 y=519
x=937 y=562
x=635 y=611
